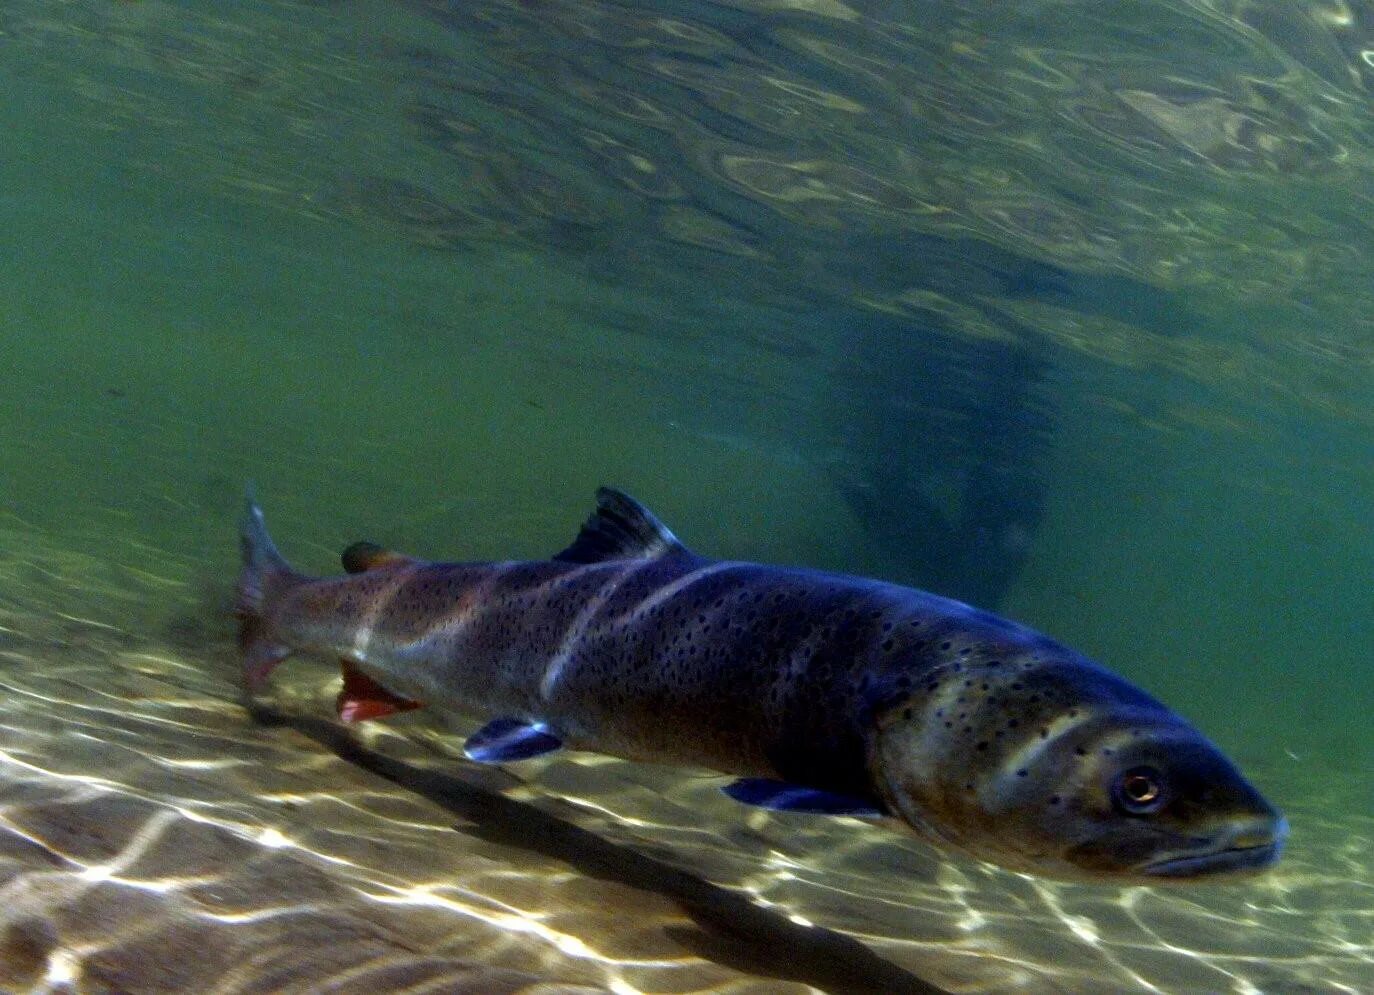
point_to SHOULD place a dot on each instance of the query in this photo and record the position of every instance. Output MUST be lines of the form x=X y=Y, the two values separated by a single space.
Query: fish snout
x=1266 y=831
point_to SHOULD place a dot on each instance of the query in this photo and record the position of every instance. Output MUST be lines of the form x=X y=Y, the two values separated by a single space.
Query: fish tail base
x=264 y=576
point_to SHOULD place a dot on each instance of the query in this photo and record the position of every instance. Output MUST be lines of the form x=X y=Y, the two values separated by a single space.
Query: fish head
x=1070 y=772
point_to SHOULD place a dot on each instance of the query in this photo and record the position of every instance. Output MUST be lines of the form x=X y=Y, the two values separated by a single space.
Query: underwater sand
x=158 y=835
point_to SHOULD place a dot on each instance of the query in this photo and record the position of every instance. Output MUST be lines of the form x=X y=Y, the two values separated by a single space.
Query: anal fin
x=784 y=797
x=361 y=698
x=505 y=740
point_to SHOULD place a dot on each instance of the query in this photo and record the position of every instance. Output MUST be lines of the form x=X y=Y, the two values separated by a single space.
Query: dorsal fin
x=369 y=556
x=621 y=529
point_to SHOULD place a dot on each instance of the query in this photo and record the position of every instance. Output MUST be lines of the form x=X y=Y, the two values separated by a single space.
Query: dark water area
x=1061 y=309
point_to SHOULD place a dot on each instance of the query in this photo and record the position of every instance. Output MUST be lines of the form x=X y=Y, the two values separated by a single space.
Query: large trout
x=817 y=692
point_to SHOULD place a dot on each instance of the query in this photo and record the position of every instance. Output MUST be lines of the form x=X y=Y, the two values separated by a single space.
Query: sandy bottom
x=156 y=834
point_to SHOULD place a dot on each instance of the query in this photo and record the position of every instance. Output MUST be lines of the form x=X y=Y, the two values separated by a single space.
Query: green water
x=432 y=272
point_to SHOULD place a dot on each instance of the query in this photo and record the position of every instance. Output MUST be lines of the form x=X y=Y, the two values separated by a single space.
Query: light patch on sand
x=273 y=838
x=64 y=968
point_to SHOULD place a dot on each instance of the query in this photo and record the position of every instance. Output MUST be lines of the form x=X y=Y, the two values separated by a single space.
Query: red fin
x=362 y=698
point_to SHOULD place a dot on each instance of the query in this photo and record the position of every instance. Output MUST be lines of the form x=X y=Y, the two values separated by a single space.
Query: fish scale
x=819 y=692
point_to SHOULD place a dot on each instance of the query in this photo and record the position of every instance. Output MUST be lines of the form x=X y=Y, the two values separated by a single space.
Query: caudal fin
x=265 y=575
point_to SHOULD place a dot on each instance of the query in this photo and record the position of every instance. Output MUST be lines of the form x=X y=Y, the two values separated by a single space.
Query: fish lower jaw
x=1232 y=860
x=1248 y=847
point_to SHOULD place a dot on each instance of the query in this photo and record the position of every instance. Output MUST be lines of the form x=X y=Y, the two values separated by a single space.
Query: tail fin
x=264 y=576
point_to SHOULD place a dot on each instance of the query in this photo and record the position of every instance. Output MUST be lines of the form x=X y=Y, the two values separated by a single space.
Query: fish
x=814 y=692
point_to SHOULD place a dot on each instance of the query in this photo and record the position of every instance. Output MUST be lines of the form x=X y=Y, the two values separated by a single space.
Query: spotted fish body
x=822 y=692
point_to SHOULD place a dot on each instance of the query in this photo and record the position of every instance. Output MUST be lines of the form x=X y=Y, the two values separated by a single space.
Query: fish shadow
x=728 y=928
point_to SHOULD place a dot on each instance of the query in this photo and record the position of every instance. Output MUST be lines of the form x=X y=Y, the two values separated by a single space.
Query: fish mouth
x=1251 y=850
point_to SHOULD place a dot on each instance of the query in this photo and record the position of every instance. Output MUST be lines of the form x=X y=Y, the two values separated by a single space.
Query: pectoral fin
x=504 y=740
x=783 y=797
x=362 y=698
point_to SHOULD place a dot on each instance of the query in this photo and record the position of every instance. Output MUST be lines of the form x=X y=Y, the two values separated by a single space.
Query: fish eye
x=1139 y=790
